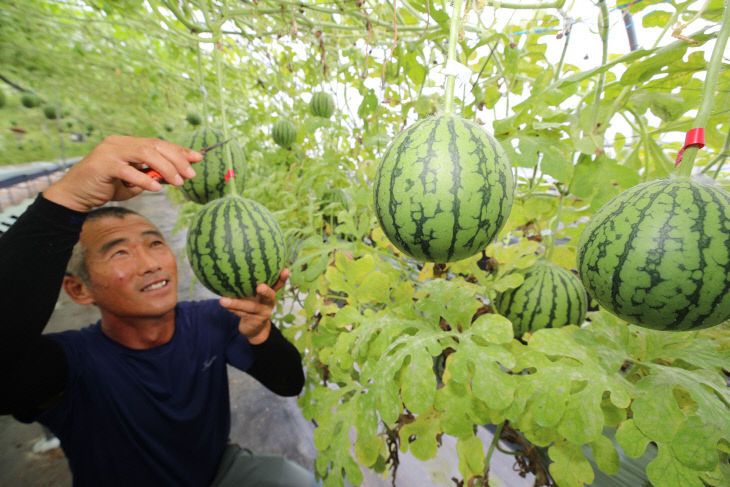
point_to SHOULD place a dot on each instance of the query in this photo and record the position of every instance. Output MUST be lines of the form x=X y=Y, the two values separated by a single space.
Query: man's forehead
x=112 y=226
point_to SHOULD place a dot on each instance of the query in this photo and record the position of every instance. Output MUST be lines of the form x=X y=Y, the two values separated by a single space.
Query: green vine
x=453 y=35
x=708 y=95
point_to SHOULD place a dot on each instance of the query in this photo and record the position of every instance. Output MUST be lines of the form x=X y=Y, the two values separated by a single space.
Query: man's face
x=132 y=271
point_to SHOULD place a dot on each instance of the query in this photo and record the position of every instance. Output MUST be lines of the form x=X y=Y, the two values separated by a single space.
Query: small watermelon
x=30 y=100
x=658 y=255
x=284 y=133
x=50 y=112
x=549 y=297
x=443 y=189
x=194 y=118
x=233 y=245
x=321 y=105
x=209 y=182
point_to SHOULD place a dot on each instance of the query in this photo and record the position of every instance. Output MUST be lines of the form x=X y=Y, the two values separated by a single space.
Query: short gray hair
x=77 y=264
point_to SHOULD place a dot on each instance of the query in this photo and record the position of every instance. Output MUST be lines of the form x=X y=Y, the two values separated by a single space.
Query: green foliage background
x=399 y=352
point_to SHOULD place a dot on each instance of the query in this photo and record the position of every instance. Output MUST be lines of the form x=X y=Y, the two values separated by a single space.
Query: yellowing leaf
x=471 y=456
x=569 y=468
x=493 y=328
x=632 y=441
x=666 y=471
x=605 y=455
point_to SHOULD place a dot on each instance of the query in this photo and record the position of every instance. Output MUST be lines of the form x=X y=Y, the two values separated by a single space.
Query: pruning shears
x=158 y=177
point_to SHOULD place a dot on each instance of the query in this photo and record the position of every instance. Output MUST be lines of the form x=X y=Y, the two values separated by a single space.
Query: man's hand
x=255 y=312
x=100 y=177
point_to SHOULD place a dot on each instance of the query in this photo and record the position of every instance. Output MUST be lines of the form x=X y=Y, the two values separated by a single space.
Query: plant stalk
x=492 y=446
x=603 y=30
x=708 y=95
x=201 y=80
x=453 y=35
x=562 y=55
x=231 y=183
x=554 y=225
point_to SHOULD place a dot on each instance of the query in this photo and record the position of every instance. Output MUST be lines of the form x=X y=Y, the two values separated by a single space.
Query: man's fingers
x=134 y=177
x=243 y=305
x=265 y=294
x=282 y=279
x=180 y=157
x=149 y=154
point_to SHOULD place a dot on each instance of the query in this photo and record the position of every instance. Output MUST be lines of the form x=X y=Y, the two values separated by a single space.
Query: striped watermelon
x=549 y=297
x=443 y=189
x=234 y=244
x=284 y=133
x=209 y=182
x=321 y=105
x=658 y=255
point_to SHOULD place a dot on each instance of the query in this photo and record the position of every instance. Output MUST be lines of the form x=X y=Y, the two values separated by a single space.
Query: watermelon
x=658 y=255
x=549 y=297
x=321 y=105
x=50 y=112
x=234 y=244
x=30 y=100
x=443 y=189
x=284 y=133
x=194 y=118
x=209 y=182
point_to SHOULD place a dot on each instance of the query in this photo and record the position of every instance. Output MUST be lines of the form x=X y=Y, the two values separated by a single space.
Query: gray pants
x=242 y=468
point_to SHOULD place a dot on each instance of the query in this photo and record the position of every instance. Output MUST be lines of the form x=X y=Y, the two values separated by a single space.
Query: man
x=141 y=397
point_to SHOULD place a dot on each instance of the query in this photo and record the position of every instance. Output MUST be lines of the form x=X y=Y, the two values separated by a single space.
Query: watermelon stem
x=451 y=78
x=562 y=56
x=231 y=183
x=201 y=81
x=554 y=224
x=603 y=31
x=492 y=446
x=708 y=95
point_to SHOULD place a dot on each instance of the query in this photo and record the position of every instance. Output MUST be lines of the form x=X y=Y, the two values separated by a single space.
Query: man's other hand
x=255 y=312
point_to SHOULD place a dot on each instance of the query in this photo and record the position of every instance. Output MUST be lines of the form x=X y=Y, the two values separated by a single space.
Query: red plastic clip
x=229 y=174
x=694 y=137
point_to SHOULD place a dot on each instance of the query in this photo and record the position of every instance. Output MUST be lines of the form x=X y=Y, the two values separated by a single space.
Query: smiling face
x=132 y=273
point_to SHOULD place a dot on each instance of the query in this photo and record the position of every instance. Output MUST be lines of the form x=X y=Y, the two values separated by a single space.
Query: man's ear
x=77 y=290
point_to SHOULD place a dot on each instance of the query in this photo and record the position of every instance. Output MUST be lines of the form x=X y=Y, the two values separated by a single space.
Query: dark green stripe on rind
x=233 y=245
x=443 y=189
x=549 y=297
x=209 y=181
x=658 y=255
